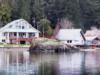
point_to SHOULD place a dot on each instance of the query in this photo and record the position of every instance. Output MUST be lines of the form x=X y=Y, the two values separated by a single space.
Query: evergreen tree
x=83 y=13
x=45 y=27
x=5 y=13
x=24 y=10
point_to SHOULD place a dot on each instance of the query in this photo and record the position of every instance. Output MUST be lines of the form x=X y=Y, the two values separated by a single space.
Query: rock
x=45 y=44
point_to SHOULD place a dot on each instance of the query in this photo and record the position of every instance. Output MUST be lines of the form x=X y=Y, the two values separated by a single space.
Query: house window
x=5 y=34
x=31 y=35
x=22 y=35
x=10 y=26
x=15 y=34
x=23 y=27
x=69 y=41
x=3 y=41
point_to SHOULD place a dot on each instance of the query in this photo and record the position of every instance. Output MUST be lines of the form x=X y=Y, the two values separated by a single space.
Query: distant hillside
x=79 y=13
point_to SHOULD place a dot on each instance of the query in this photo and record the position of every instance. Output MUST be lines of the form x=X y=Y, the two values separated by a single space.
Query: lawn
x=13 y=45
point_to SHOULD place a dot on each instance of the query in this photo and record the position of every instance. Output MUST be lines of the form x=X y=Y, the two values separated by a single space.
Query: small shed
x=92 y=40
x=92 y=37
x=71 y=36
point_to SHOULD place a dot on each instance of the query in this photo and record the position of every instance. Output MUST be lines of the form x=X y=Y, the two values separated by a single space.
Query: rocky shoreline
x=50 y=45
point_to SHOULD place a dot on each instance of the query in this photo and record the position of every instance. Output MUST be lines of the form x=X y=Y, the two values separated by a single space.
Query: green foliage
x=25 y=11
x=45 y=26
x=83 y=13
x=5 y=13
x=38 y=9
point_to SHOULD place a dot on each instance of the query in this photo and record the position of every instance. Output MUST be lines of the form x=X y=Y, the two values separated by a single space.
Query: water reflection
x=70 y=64
x=21 y=63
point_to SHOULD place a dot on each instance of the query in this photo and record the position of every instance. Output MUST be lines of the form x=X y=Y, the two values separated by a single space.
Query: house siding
x=18 y=31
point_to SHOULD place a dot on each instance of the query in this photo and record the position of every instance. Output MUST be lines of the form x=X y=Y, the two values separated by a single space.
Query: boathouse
x=92 y=40
x=18 y=32
x=92 y=37
x=71 y=36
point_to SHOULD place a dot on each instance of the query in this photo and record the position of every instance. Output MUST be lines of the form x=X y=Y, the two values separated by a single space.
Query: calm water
x=21 y=63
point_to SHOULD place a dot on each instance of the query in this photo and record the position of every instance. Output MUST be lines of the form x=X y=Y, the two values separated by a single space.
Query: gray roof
x=16 y=26
x=69 y=34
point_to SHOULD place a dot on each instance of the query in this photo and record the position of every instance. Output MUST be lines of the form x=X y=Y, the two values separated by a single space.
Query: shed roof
x=92 y=33
x=69 y=34
x=90 y=38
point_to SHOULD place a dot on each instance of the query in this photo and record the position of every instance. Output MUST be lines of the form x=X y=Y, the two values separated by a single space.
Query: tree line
x=82 y=13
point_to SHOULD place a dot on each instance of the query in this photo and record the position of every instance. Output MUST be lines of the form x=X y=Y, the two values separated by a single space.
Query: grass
x=47 y=42
x=14 y=45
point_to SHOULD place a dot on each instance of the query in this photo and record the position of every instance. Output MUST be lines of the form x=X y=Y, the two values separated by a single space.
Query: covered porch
x=19 y=37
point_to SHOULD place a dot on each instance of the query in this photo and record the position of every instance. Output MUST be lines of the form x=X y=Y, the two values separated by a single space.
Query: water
x=22 y=63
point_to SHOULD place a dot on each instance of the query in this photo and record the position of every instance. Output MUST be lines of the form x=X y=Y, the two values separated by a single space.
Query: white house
x=18 y=32
x=92 y=40
x=71 y=36
x=92 y=37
